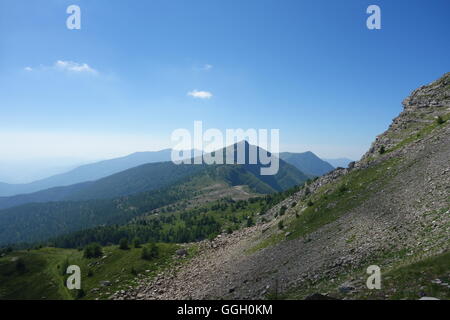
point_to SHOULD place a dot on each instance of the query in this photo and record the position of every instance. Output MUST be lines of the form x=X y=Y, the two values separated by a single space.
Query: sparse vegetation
x=440 y=120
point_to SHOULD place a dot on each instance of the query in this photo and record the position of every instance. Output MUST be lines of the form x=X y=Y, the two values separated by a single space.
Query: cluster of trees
x=94 y=250
x=183 y=226
x=134 y=219
x=177 y=227
x=37 y=221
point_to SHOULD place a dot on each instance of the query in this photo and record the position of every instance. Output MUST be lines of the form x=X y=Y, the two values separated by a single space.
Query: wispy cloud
x=71 y=66
x=66 y=66
x=200 y=94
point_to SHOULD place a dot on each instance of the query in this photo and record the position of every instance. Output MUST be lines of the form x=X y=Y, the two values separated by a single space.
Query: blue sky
x=309 y=68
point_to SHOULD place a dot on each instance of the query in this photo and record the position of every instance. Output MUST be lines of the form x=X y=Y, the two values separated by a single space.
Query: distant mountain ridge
x=121 y=196
x=339 y=162
x=308 y=163
x=152 y=176
x=87 y=172
x=143 y=178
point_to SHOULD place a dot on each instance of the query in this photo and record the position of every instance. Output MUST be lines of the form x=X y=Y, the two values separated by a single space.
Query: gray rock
x=346 y=287
x=181 y=252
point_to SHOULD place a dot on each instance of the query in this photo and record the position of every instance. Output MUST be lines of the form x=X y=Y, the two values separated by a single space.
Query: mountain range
x=306 y=162
x=92 y=203
x=87 y=172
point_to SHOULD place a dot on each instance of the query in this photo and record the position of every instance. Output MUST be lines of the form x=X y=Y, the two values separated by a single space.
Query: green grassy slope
x=44 y=277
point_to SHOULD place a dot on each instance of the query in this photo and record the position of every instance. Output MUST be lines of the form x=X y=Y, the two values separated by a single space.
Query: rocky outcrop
x=420 y=109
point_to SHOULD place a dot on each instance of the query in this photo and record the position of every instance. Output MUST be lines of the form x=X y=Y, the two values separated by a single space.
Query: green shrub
x=20 y=265
x=123 y=244
x=133 y=271
x=439 y=120
x=280 y=225
x=150 y=252
x=382 y=150
x=342 y=188
x=65 y=265
x=307 y=191
x=136 y=243
x=283 y=210
x=80 y=294
x=93 y=250
x=310 y=203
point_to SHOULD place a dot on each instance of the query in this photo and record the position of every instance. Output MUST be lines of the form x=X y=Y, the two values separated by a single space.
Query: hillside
x=391 y=209
x=42 y=275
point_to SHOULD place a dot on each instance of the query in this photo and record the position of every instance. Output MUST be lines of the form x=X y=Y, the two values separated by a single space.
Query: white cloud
x=65 y=66
x=207 y=67
x=200 y=94
x=74 y=67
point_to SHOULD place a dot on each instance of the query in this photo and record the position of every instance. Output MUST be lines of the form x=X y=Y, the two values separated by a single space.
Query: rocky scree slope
x=391 y=209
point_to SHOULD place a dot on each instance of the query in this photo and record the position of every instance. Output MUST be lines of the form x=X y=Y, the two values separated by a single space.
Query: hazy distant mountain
x=142 y=178
x=339 y=162
x=147 y=187
x=307 y=162
x=22 y=171
x=88 y=172
x=152 y=176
